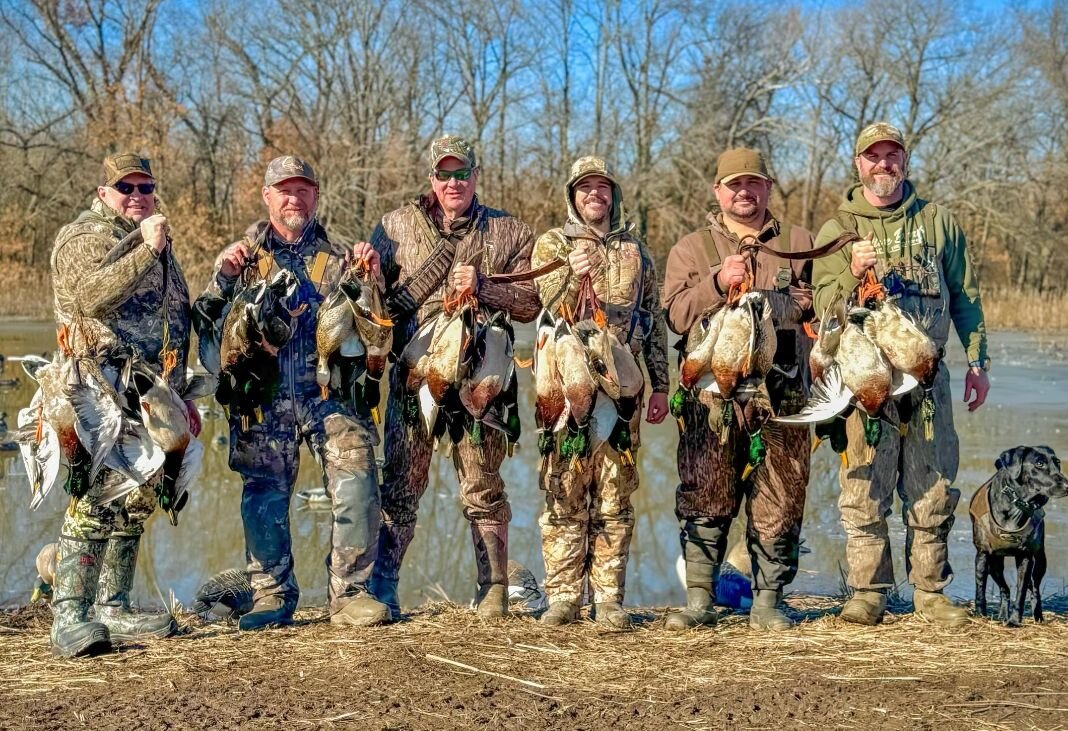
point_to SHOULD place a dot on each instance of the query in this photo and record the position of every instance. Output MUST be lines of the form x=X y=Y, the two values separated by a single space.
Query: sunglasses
x=127 y=188
x=446 y=175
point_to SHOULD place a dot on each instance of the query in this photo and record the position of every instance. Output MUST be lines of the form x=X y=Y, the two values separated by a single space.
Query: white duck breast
x=549 y=403
x=492 y=372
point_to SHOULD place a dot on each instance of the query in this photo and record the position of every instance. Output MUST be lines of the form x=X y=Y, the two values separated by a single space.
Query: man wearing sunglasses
x=588 y=521
x=445 y=243
x=112 y=302
x=265 y=451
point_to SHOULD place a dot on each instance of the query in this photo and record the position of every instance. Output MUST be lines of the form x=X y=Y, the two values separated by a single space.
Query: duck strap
x=753 y=245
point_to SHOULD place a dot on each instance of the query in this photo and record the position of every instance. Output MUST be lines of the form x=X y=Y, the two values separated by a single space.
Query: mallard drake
x=449 y=355
x=256 y=327
x=374 y=327
x=492 y=369
x=736 y=344
x=549 y=401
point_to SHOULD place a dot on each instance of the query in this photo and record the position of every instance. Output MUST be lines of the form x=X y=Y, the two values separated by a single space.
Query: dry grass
x=648 y=663
x=1014 y=310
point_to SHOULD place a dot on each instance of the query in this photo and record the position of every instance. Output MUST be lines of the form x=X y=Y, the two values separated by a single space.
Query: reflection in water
x=1028 y=405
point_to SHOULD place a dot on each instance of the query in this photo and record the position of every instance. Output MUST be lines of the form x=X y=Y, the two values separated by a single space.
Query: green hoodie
x=922 y=244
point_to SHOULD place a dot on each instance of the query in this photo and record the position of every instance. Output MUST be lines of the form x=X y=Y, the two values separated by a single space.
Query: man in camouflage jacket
x=447 y=242
x=112 y=303
x=702 y=267
x=588 y=519
x=265 y=452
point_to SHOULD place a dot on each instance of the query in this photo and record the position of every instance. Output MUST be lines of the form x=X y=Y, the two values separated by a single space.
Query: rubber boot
x=865 y=607
x=491 y=557
x=113 y=596
x=77 y=572
x=934 y=606
x=766 y=612
x=269 y=611
x=612 y=614
x=704 y=543
x=560 y=613
x=393 y=542
x=363 y=610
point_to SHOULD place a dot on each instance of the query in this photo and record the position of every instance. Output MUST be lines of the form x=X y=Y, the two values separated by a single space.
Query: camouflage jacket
x=297 y=360
x=111 y=307
x=492 y=240
x=624 y=279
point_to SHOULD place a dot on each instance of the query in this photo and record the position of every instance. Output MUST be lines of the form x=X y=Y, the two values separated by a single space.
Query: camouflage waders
x=588 y=523
x=921 y=471
x=711 y=491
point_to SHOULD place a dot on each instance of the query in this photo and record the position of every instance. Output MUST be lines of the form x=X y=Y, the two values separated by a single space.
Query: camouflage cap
x=119 y=165
x=879 y=132
x=286 y=167
x=590 y=165
x=452 y=146
x=741 y=161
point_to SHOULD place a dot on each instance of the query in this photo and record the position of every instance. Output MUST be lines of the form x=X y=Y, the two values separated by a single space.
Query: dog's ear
x=1011 y=462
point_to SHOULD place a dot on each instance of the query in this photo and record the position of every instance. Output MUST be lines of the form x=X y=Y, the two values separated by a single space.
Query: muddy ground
x=444 y=669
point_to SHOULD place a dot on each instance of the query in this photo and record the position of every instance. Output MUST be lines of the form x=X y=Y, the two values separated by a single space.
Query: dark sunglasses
x=127 y=188
x=445 y=175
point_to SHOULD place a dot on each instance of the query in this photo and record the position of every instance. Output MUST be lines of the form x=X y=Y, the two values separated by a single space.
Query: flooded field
x=1028 y=404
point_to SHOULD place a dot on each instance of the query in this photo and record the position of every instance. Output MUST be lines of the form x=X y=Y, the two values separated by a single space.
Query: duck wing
x=902 y=383
x=828 y=398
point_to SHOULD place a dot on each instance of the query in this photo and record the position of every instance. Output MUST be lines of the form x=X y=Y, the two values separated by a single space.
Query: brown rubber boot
x=611 y=614
x=865 y=607
x=491 y=558
x=362 y=610
x=700 y=611
x=766 y=612
x=560 y=613
x=935 y=607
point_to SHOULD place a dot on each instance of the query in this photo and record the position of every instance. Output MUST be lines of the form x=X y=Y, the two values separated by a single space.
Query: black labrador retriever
x=1008 y=520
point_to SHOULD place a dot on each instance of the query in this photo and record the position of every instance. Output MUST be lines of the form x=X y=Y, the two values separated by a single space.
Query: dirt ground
x=444 y=669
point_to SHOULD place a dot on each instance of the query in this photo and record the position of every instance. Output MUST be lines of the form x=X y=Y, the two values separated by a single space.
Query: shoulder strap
x=711 y=251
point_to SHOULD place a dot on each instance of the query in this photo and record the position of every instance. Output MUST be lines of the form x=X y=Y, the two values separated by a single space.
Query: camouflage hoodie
x=109 y=307
x=922 y=257
x=624 y=276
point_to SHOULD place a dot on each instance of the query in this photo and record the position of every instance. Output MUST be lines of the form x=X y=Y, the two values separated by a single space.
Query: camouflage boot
x=393 y=542
x=113 y=596
x=704 y=541
x=77 y=571
x=766 y=612
x=865 y=607
x=934 y=606
x=491 y=557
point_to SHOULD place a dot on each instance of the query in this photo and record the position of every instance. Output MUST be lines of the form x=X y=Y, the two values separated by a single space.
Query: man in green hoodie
x=918 y=252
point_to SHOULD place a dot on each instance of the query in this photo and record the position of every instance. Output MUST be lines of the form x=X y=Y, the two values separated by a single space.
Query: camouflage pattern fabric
x=921 y=472
x=112 y=310
x=588 y=523
x=710 y=486
x=496 y=243
x=266 y=454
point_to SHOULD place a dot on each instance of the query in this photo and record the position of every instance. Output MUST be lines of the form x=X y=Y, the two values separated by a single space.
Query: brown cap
x=118 y=166
x=286 y=167
x=741 y=161
x=452 y=146
x=879 y=132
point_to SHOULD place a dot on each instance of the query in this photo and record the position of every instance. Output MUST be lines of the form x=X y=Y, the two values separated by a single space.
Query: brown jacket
x=690 y=287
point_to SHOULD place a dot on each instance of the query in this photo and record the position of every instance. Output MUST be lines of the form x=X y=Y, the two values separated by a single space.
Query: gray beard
x=883 y=188
x=296 y=222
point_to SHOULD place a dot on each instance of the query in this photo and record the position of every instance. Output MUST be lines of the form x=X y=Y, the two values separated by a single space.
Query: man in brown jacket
x=701 y=269
x=447 y=242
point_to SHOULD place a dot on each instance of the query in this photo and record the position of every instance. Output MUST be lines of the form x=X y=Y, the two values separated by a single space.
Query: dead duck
x=166 y=419
x=449 y=353
x=580 y=391
x=227 y=594
x=735 y=344
x=549 y=404
x=256 y=327
x=375 y=329
x=45 y=564
x=493 y=366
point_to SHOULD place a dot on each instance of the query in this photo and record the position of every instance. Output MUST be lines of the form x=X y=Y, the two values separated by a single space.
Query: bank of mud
x=444 y=669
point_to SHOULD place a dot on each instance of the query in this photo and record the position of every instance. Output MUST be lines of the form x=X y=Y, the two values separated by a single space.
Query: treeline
x=212 y=89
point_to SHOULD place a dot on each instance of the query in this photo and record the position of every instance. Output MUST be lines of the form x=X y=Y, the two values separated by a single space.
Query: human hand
x=232 y=259
x=465 y=279
x=580 y=262
x=154 y=231
x=732 y=272
x=863 y=258
x=365 y=252
x=976 y=387
x=658 y=408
